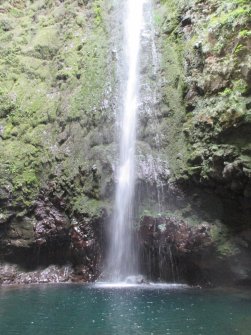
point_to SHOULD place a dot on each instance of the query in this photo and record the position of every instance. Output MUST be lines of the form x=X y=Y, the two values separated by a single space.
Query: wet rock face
x=49 y=235
x=51 y=227
x=205 y=58
x=87 y=246
x=166 y=245
x=173 y=250
x=175 y=233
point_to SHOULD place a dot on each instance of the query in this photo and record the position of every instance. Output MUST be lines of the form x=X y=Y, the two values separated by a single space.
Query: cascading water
x=122 y=258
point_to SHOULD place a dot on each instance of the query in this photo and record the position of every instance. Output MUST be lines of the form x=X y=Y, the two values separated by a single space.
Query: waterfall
x=122 y=258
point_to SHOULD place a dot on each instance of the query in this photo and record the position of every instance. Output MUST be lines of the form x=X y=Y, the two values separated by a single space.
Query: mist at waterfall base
x=87 y=310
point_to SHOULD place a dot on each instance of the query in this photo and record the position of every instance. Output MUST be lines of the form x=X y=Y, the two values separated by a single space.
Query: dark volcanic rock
x=172 y=250
x=175 y=233
x=52 y=226
x=51 y=236
x=86 y=248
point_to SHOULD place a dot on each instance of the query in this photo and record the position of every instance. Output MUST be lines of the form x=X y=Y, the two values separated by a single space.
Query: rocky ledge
x=14 y=275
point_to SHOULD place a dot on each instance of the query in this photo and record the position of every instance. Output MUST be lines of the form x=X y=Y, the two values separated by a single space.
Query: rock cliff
x=205 y=84
x=58 y=104
x=56 y=123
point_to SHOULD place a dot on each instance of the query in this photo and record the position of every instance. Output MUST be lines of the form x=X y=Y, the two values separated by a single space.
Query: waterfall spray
x=122 y=258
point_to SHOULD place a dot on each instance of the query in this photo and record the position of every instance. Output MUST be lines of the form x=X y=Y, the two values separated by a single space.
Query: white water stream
x=122 y=259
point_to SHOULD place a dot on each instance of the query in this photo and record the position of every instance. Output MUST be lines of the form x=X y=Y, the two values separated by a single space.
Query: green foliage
x=241 y=2
x=227 y=91
x=244 y=33
x=229 y=15
x=97 y=9
x=157 y=19
x=238 y=87
x=238 y=49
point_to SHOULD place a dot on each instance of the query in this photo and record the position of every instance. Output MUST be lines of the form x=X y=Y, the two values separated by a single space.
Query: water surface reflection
x=80 y=310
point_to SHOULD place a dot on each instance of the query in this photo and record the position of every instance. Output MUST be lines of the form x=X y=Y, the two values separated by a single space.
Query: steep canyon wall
x=58 y=151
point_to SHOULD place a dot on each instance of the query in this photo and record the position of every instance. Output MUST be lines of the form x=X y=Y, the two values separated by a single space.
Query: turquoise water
x=87 y=310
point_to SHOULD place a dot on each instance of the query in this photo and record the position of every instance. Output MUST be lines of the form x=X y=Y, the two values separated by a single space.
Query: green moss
x=244 y=33
x=7 y=105
x=93 y=74
x=224 y=243
x=97 y=12
x=218 y=108
x=88 y=207
x=46 y=42
x=6 y=24
x=20 y=169
x=55 y=77
x=229 y=15
x=172 y=51
x=240 y=87
x=35 y=68
x=227 y=91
